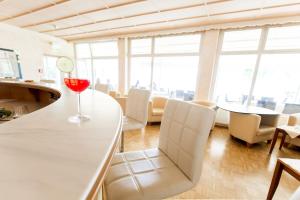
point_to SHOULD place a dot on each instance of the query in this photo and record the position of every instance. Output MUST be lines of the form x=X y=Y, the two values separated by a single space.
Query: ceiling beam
x=81 y=13
x=178 y=19
x=137 y=15
x=34 y=10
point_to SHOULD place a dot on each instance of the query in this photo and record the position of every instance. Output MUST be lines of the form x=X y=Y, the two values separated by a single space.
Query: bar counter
x=43 y=156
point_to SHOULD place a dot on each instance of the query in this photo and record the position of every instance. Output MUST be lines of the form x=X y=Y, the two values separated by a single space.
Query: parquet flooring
x=230 y=169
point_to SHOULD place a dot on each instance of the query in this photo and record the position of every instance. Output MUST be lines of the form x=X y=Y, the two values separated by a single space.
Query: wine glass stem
x=79 y=107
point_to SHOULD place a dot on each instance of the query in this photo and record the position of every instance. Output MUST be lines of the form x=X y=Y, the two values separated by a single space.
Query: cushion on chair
x=157 y=111
x=131 y=124
x=148 y=174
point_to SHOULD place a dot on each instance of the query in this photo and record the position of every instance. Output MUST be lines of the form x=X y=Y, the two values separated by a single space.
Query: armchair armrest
x=244 y=124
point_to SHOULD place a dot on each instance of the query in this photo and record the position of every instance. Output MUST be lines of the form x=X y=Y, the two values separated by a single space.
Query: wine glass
x=76 y=82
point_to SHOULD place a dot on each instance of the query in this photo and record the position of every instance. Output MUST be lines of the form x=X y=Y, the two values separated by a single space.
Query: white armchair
x=156 y=108
x=252 y=128
x=294 y=119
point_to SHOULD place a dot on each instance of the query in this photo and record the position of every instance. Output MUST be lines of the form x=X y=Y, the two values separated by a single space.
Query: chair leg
x=122 y=142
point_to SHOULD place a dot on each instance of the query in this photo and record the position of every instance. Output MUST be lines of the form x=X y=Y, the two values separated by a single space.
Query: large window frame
x=261 y=51
x=152 y=55
x=91 y=58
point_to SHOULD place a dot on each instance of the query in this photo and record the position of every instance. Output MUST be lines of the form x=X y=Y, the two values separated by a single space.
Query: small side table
x=292 y=166
x=275 y=137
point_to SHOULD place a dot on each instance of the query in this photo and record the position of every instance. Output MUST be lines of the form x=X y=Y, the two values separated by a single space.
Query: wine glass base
x=78 y=118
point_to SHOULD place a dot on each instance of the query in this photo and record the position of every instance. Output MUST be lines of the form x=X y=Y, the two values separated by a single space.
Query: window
x=167 y=65
x=241 y=40
x=50 y=70
x=100 y=59
x=9 y=66
x=274 y=54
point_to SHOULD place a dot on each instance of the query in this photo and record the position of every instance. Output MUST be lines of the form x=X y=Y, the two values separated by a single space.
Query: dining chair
x=136 y=111
x=172 y=168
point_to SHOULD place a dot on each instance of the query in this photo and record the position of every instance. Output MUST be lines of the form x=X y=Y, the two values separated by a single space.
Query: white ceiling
x=78 y=19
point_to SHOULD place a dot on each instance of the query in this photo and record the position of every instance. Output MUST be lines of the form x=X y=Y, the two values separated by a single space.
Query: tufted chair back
x=183 y=135
x=137 y=105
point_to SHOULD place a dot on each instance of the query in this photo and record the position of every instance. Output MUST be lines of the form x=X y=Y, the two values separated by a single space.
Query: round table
x=247 y=109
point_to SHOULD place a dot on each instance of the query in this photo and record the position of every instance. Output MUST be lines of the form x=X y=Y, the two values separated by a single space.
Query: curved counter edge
x=57 y=138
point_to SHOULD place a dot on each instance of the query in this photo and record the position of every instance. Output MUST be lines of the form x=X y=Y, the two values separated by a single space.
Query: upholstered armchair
x=252 y=128
x=156 y=109
x=207 y=104
x=294 y=120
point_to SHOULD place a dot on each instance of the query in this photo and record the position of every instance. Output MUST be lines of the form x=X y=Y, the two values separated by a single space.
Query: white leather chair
x=136 y=111
x=252 y=128
x=156 y=108
x=210 y=105
x=294 y=119
x=172 y=168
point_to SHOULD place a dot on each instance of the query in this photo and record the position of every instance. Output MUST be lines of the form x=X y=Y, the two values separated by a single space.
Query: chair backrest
x=183 y=135
x=102 y=87
x=137 y=105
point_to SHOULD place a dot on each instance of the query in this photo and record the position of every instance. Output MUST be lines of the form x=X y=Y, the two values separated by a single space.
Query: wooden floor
x=231 y=170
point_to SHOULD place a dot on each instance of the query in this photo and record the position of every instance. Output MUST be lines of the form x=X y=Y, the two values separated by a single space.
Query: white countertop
x=43 y=156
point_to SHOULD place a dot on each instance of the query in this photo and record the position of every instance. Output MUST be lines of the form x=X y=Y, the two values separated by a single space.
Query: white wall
x=31 y=46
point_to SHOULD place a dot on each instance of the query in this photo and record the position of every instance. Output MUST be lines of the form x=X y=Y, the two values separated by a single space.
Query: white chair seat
x=148 y=174
x=131 y=124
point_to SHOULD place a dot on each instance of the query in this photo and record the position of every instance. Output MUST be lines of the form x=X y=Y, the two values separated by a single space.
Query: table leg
x=274 y=140
x=275 y=180
x=282 y=140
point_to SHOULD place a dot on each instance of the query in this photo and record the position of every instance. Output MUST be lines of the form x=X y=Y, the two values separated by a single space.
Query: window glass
x=140 y=72
x=9 y=64
x=175 y=76
x=106 y=72
x=277 y=81
x=84 y=67
x=241 y=40
x=178 y=44
x=141 y=46
x=283 y=38
x=83 y=50
x=109 y=48
x=234 y=78
x=50 y=70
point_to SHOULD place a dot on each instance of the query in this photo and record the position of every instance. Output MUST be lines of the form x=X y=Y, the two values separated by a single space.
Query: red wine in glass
x=77 y=85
